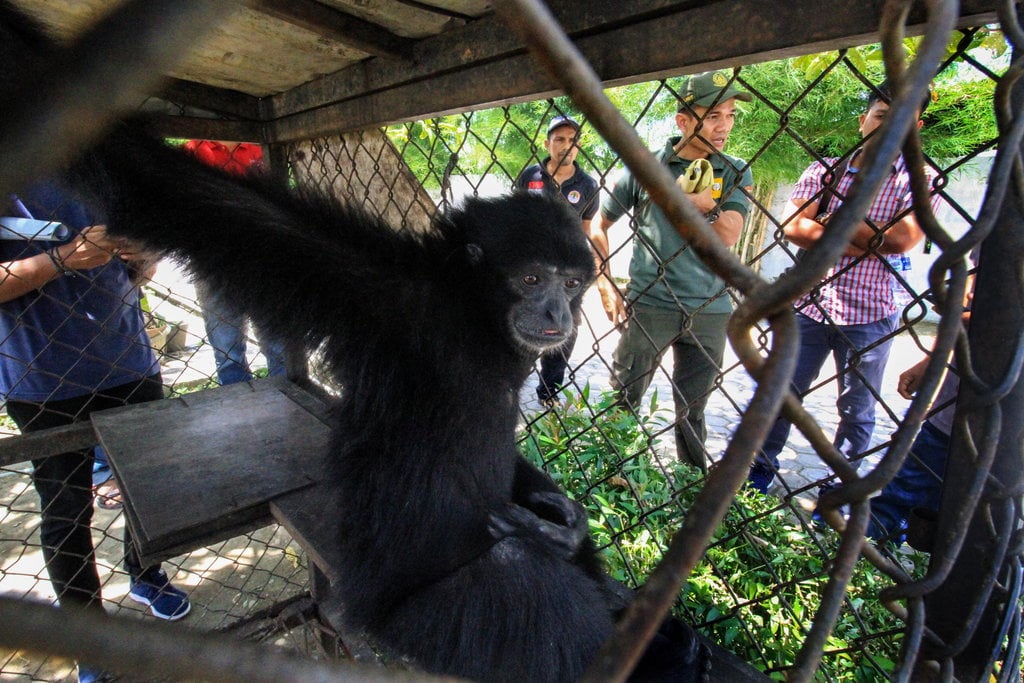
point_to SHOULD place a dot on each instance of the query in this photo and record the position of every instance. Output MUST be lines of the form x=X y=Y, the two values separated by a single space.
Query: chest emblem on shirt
x=573 y=197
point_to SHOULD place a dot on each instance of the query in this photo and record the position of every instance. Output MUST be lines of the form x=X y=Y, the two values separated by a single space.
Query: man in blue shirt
x=559 y=174
x=73 y=341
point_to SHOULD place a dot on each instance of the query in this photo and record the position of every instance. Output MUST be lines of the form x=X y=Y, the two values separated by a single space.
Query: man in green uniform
x=673 y=299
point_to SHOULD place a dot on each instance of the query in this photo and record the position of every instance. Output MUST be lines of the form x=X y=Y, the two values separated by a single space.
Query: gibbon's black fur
x=457 y=553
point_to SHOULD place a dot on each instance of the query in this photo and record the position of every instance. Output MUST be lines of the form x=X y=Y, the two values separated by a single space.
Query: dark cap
x=711 y=87
x=560 y=121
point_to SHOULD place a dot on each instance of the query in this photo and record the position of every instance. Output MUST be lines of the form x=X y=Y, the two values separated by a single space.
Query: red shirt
x=237 y=161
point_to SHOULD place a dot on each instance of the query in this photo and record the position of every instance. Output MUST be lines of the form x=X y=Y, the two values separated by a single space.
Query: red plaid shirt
x=856 y=292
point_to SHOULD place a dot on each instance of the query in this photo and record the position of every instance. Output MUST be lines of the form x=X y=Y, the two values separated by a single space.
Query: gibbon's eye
x=573 y=283
x=530 y=280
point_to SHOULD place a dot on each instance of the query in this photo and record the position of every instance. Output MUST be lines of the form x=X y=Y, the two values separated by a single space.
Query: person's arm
x=90 y=249
x=727 y=225
x=910 y=379
x=901 y=236
x=611 y=299
x=804 y=229
x=586 y=224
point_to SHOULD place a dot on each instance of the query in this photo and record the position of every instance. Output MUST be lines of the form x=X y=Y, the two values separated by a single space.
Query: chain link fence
x=794 y=598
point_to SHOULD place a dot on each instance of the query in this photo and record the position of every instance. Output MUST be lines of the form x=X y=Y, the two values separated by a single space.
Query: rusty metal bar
x=541 y=32
x=154 y=650
x=967 y=609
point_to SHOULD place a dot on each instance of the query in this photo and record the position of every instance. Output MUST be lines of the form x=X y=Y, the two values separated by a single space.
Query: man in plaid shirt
x=852 y=313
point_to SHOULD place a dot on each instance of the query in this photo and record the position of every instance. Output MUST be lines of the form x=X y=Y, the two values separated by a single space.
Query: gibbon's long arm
x=297 y=264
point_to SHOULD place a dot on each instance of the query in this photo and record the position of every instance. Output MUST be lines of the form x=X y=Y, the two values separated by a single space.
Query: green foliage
x=791 y=117
x=805 y=106
x=502 y=140
x=960 y=118
x=759 y=586
x=428 y=146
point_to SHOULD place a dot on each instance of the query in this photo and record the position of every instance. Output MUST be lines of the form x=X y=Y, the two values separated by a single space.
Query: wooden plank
x=338 y=26
x=478 y=66
x=483 y=41
x=302 y=514
x=46 y=442
x=215 y=100
x=203 y=467
x=198 y=128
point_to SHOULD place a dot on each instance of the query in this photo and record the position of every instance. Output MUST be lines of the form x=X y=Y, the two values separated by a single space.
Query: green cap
x=711 y=87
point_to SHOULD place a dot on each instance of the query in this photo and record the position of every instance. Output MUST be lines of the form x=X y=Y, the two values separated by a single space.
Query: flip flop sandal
x=108 y=495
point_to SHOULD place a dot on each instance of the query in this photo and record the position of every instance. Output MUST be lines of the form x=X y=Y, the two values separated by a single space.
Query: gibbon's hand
x=516 y=520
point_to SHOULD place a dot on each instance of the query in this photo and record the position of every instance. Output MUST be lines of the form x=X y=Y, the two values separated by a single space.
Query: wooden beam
x=338 y=26
x=440 y=11
x=47 y=442
x=479 y=66
x=199 y=128
x=215 y=100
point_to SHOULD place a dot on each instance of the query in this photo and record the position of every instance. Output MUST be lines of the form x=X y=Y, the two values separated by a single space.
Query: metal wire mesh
x=791 y=598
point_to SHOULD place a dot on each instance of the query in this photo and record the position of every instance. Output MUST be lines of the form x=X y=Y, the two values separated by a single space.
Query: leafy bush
x=758 y=588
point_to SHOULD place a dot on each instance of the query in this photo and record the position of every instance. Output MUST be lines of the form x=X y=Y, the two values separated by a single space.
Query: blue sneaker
x=89 y=675
x=818 y=520
x=760 y=479
x=154 y=589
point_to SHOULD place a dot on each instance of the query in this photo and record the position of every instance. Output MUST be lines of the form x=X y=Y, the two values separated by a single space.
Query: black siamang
x=457 y=553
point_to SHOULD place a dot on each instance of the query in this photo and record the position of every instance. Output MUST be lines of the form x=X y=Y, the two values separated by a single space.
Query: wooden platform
x=209 y=466
x=199 y=469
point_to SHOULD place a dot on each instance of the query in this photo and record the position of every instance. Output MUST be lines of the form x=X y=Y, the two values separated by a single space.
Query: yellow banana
x=697 y=177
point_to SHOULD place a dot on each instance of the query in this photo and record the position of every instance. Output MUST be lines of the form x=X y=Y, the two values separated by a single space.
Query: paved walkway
x=800 y=465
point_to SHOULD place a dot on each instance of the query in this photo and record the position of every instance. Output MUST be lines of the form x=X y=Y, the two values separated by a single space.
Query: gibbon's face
x=541 y=318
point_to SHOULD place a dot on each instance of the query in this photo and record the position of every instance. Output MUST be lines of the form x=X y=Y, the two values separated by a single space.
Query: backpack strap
x=832 y=177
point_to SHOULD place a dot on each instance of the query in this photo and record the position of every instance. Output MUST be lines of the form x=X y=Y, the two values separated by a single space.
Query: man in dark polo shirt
x=559 y=174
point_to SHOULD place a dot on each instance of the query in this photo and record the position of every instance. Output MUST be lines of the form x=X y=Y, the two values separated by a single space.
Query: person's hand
x=703 y=201
x=611 y=300
x=910 y=379
x=91 y=248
